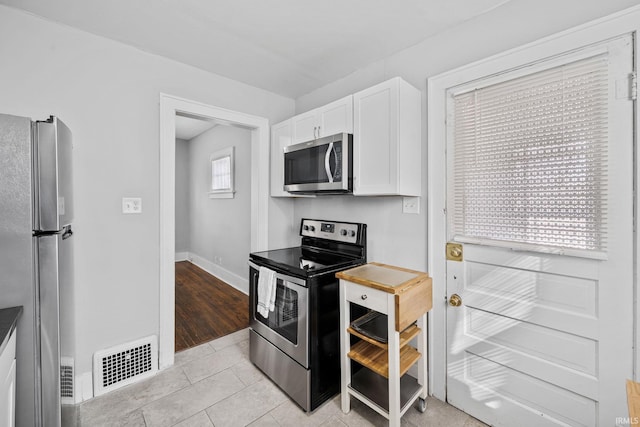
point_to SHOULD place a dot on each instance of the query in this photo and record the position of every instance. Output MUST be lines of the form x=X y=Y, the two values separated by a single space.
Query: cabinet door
x=304 y=126
x=387 y=140
x=375 y=142
x=280 y=138
x=336 y=117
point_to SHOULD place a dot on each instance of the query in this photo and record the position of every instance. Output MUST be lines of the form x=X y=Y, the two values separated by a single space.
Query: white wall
x=401 y=239
x=108 y=94
x=221 y=228
x=183 y=191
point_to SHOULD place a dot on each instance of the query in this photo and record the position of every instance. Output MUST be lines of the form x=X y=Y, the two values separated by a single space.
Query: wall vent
x=66 y=380
x=124 y=364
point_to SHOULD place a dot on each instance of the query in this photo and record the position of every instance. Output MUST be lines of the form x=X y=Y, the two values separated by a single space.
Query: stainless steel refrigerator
x=36 y=247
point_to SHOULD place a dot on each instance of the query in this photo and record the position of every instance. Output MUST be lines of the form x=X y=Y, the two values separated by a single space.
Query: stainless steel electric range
x=297 y=344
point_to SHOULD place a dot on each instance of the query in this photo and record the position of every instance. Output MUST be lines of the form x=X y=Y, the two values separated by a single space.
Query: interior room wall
x=401 y=239
x=220 y=232
x=108 y=95
x=183 y=191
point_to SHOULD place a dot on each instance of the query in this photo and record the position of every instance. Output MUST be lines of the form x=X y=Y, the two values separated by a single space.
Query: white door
x=542 y=333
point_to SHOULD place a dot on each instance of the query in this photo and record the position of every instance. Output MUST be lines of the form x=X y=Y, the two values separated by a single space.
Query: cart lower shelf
x=375 y=388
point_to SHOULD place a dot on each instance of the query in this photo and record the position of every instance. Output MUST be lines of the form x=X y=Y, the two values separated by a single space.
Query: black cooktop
x=304 y=261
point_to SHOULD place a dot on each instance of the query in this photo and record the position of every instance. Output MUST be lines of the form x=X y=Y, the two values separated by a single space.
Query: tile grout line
x=193 y=384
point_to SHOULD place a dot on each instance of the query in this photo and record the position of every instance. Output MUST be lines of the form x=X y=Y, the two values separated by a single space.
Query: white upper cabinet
x=280 y=138
x=385 y=123
x=387 y=140
x=329 y=119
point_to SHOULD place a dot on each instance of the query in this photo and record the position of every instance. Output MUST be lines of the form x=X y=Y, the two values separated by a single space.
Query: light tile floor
x=215 y=384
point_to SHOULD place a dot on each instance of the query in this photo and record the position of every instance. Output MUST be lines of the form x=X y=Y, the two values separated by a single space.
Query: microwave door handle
x=327 y=165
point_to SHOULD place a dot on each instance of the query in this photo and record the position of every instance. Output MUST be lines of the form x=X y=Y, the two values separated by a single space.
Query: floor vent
x=124 y=364
x=66 y=380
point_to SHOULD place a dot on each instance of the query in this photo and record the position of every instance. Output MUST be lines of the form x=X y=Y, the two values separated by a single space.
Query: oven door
x=320 y=165
x=286 y=326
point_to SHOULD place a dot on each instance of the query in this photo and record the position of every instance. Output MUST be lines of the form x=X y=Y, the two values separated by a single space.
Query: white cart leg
x=423 y=376
x=394 y=364
x=345 y=345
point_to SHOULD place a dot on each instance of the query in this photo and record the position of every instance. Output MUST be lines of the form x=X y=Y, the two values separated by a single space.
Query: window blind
x=221 y=174
x=530 y=159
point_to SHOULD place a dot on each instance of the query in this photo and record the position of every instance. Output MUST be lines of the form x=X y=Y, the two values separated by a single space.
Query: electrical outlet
x=131 y=205
x=411 y=205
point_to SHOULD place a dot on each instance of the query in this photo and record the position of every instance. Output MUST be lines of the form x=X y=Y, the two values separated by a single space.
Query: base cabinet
x=8 y=383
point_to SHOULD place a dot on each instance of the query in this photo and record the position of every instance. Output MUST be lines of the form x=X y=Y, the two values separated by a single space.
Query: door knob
x=455 y=300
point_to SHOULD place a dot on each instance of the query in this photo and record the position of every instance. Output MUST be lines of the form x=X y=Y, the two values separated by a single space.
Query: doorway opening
x=213 y=233
x=258 y=127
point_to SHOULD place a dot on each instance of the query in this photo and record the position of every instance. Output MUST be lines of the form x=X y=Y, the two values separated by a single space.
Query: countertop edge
x=8 y=322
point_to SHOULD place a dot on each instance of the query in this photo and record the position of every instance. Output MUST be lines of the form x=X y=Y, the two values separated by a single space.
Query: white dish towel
x=266 y=291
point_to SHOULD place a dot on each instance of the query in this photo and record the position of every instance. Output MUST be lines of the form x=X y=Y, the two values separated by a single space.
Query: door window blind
x=530 y=159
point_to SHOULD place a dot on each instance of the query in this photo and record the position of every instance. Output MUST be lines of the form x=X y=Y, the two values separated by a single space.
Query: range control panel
x=338 y=231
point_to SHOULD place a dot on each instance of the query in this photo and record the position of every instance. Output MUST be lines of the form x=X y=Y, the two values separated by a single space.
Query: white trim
x=530 y=247
x=259 y=126
x=624 y=22
x=222 y=195
x=229 y=277
x=182 y=256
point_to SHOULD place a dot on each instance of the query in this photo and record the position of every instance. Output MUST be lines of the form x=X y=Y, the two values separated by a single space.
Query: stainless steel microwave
x=323 y=165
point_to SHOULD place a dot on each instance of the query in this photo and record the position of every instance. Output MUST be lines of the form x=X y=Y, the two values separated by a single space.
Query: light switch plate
x=131 y=205
x=411 y=205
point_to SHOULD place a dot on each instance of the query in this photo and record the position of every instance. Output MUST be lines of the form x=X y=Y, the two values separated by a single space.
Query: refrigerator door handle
x=67 y=233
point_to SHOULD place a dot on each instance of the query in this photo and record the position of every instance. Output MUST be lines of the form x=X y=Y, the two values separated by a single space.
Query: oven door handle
x=289 y=279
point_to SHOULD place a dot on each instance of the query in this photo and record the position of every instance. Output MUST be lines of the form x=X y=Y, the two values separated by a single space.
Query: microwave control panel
x=338 y=231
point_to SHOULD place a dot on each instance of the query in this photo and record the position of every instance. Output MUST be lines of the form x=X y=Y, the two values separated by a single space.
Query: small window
x=222 y=163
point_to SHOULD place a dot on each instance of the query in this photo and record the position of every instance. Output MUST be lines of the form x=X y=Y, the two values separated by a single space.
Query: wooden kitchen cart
x=405 y=297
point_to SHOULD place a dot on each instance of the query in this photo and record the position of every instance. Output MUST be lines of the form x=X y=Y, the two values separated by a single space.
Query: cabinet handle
x=314 y=132
x=318 y=132
x=364 y=296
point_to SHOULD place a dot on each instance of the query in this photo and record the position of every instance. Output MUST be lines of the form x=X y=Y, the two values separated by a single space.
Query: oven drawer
x=294 y=379
x=367 y=297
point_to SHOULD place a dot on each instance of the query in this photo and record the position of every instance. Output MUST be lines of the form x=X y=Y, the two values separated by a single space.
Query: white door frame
x=259 y=126
x=627 y=21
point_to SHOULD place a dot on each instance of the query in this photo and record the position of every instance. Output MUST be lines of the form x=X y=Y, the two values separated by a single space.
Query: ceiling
x=289 y=47
x=188 y=127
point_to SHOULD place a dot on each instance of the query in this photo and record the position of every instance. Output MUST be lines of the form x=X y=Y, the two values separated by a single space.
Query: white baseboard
x=83 y=387
x=182 y=256
x=238 y=282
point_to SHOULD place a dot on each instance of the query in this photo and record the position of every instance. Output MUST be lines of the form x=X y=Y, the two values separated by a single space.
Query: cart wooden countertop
x=387 y=278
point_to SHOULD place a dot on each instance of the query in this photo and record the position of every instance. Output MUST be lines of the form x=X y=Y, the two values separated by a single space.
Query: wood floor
x=206 y=307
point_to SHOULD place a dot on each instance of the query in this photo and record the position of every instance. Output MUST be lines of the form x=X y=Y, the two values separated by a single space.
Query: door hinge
x=634 y=85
